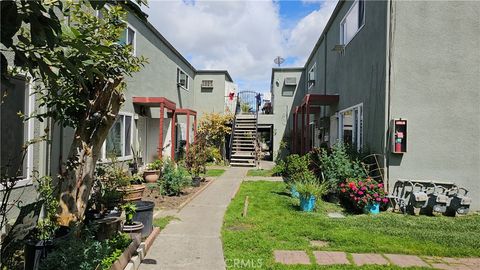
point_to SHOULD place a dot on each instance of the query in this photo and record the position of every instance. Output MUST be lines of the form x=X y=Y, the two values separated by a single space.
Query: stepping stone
x=318 y=243
x=336 y=215
x=330 y=257
x=369 y=258
x=291 y=257
x=406 y=260
x=464 y=261
x=451 y=267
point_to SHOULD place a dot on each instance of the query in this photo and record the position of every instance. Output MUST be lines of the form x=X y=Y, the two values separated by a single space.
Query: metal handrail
x=230 y=144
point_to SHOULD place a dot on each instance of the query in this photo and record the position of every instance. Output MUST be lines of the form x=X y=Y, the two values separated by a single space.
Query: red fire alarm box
x=399 y=136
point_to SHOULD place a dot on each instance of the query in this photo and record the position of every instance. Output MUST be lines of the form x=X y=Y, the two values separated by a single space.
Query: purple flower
x=360 y=192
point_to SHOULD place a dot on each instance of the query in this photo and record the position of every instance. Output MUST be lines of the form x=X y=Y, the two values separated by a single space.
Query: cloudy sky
x=242 y=37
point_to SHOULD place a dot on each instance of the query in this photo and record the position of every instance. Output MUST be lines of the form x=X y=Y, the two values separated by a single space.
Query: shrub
x=197 y=157
x=174 y=178
x=86 y=253
x=338 y=166
x=356 y=193
x=279 y=168
x=296 y=164
x=213 y=154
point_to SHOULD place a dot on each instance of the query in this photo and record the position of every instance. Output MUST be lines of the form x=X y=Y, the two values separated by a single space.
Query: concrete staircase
x=243 y=144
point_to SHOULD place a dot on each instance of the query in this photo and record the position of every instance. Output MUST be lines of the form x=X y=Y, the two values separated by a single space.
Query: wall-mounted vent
x=207 y=83
x=290 y=81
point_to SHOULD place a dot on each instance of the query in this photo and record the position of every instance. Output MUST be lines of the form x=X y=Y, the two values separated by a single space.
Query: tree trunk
x=77 y=180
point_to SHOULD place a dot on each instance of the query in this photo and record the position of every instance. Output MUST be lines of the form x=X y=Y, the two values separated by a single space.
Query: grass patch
x=162 y=222
x=274 y=222
x=214 y=172
x=261 y=172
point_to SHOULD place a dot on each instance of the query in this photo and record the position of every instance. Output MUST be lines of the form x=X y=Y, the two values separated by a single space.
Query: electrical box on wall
x=399 y=136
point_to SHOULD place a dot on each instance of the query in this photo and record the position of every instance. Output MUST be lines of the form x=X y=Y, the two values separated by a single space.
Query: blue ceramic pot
x=294 y=192
x=307 y=203
x=374 y=208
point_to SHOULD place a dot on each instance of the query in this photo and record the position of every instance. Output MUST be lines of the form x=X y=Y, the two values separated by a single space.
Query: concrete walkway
x=193 y=241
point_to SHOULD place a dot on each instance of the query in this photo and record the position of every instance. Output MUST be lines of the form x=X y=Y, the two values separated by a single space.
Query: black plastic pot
x=36 y=251
x=196 y=181
x=144 y=214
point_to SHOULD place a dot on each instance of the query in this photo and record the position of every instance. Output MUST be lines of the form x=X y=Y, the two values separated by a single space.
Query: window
x=15 y=132
x=182 y=78
x=352 y=22
x=128 y=38
x=351 y=126
x=119 y=138
x=207 y=83
x=311 y=76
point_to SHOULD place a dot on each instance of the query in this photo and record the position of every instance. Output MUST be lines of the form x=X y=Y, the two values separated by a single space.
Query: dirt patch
x=171 y=202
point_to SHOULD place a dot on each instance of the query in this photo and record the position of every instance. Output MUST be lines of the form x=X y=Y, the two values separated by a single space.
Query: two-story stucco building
x=163 y=104
x=395 y=78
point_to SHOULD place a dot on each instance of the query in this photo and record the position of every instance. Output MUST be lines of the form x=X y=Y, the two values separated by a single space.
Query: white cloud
x=304 y=35
x=242 y=37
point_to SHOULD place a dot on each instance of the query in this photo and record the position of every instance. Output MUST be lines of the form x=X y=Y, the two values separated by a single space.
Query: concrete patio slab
x=291 y=257
x=330 y=257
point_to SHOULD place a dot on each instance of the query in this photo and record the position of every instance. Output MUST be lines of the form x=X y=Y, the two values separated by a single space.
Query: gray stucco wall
x=435 y=85
x=282 y=117
x=209 y=99
x=357 y=74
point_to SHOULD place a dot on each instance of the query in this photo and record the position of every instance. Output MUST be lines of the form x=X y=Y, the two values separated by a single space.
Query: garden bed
x=274 y=222
x=164 y=202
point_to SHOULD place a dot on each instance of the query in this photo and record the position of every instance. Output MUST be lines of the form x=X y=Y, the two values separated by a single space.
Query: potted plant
x=47 y=232
x=362 y=195
x=245 y=107
x=152 y=171
x=132 y=227
x=309 y=190
x=133 y=188
x=196 y=160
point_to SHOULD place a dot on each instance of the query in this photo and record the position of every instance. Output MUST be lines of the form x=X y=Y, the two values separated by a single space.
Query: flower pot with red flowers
x=363 y=195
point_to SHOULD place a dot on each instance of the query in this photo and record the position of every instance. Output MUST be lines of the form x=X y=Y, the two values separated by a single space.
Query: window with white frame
x=128 y=38
x=119 y=138
x=15 y=132
x=350 y=126
x=311 y=76
x=352 y=22
x=182 y=78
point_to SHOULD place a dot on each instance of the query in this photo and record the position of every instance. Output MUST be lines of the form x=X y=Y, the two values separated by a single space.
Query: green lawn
x=263 y=173
x=214 y=172
x=274 y=222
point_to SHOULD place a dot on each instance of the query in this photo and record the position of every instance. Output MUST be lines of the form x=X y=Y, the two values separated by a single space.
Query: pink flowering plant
x=356 y=193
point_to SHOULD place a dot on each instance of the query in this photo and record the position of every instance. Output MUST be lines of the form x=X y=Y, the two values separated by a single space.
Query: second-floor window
x=182 y=79
x=311 y=76
x=128 y=38
x=352 y=22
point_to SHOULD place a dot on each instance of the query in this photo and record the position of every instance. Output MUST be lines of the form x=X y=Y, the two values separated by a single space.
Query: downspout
x=325 y=77
x=388 y=67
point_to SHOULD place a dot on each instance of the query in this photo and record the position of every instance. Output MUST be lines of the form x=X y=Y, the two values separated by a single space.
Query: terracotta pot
x=151 y=176
x=132 y=192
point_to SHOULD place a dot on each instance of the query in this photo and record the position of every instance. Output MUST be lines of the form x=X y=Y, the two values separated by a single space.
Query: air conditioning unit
x=290 y=81
x=207 y=83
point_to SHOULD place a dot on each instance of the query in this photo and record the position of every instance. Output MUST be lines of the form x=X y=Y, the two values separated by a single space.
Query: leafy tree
x=214 y=127
x=81 y=67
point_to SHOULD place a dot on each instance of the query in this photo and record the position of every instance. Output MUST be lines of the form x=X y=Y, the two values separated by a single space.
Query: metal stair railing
x=230 y=144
